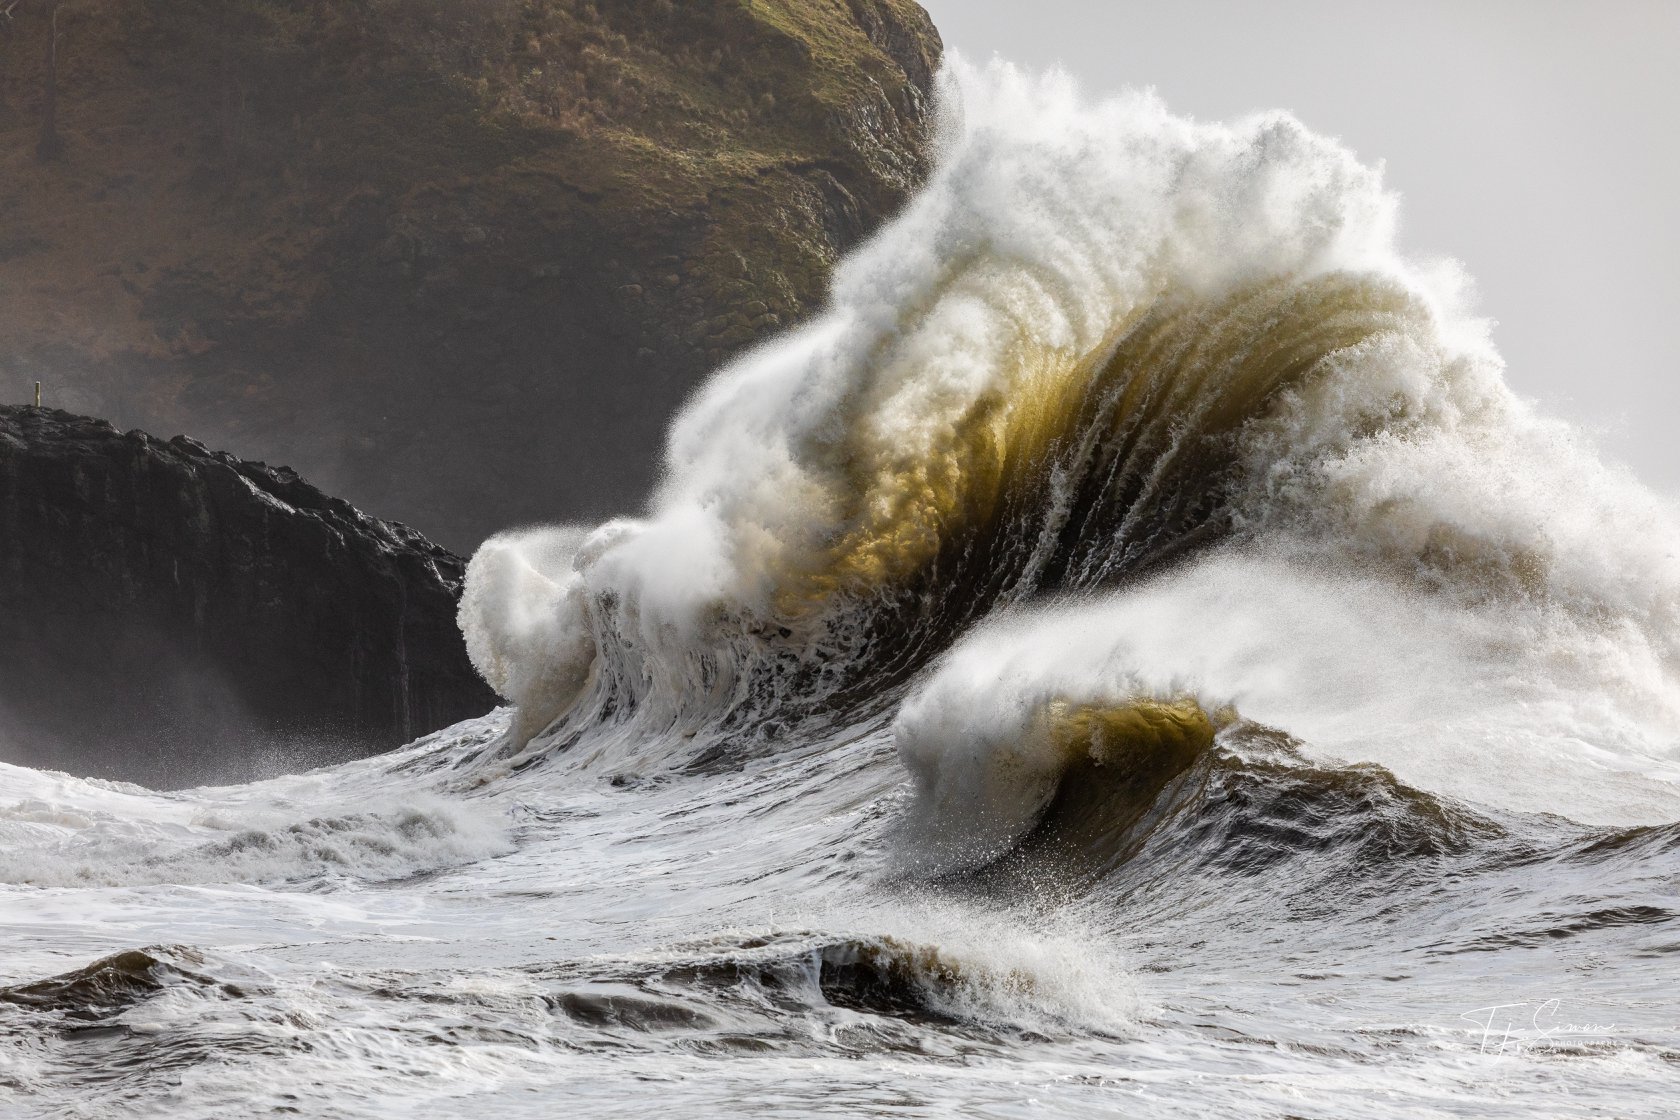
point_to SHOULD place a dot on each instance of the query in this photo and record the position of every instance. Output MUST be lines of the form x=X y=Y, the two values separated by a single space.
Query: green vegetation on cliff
x=455 y=259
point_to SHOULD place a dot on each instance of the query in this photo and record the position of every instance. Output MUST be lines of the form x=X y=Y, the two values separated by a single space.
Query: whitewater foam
x=1104 y=339
x=1514 y=705
x=846 y=455
x=63 y=831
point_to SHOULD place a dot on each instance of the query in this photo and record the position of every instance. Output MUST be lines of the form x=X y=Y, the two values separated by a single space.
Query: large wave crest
x=1103 y=343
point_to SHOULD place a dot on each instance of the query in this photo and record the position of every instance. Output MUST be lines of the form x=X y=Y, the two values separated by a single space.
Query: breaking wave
x=1126 y=426
x=305 y=830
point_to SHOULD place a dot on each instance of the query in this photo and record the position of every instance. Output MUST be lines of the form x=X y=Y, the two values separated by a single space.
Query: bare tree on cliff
x=51 y=144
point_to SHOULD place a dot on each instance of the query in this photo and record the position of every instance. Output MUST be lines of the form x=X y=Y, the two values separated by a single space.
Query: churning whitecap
x=1102 y=342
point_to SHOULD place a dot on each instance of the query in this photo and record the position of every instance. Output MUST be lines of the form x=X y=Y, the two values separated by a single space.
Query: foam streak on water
x=1130 y=655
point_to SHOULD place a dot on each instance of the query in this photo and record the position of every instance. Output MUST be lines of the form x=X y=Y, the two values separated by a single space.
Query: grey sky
x=1536 y=141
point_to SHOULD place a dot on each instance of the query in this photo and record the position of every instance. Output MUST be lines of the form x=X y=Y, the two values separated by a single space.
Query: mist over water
x=1131 y=653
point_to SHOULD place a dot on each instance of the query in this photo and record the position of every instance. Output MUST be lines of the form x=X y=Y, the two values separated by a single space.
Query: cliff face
x=457 y=259
x=168 y=614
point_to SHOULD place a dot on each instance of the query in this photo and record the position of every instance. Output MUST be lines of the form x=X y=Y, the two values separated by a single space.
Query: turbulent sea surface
x=1132 y=656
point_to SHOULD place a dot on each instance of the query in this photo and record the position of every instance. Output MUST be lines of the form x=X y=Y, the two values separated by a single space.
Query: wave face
x=1103 y=345
x=1045 y=375
x=1131 y=654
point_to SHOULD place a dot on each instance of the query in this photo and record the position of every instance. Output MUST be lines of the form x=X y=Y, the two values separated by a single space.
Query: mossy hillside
x=424 y=211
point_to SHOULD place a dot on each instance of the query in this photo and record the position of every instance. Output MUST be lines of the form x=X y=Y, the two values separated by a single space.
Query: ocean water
x=1131 y=655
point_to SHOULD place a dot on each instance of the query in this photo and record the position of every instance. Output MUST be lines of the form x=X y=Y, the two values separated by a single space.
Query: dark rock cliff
x=458 y=260
x=169 y=614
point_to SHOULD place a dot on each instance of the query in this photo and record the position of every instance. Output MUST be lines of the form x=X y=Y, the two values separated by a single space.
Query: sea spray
x=1102 y=344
